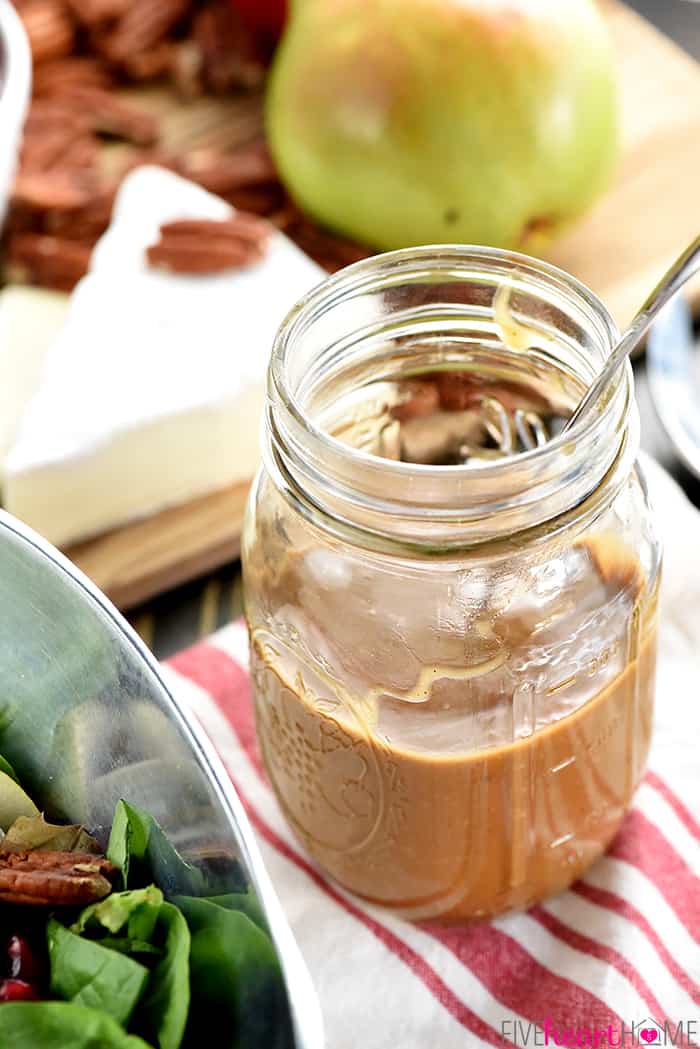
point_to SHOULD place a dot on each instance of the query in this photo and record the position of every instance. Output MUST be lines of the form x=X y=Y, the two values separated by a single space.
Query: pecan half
x=142 y=26
x=51 y=113
x=207 y=246
x=52 y=262
x=49 y=27
x=46 y=190
x=92 y=13
x=42 y=150
x=55 y=878
x=87 y=222
x=241 y=227
x=52 y=78
x=228 y=53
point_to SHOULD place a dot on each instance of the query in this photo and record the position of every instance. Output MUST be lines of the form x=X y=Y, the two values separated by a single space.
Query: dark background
x=179 y=618
x=680 y=19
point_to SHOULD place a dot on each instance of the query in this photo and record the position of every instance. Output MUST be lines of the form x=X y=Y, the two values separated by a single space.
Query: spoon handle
x=685 y=266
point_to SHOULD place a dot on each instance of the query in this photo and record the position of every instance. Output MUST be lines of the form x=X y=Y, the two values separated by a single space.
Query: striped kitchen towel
x=615 y=960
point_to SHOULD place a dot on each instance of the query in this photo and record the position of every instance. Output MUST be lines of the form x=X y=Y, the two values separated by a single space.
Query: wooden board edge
x=138 y=561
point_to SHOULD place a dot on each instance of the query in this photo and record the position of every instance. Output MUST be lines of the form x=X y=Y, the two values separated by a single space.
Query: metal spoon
x=685 y=267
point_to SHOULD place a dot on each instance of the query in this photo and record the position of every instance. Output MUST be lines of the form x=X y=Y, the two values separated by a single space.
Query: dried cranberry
x=23 y=962
x=17 y=991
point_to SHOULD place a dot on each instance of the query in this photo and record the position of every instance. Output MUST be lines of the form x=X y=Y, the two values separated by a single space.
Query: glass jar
x=453 y=666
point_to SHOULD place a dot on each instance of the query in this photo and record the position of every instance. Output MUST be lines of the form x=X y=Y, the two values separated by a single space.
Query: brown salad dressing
x=399 y=793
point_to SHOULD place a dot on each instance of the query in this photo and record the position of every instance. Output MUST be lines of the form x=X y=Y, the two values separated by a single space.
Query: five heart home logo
x=640 y=1034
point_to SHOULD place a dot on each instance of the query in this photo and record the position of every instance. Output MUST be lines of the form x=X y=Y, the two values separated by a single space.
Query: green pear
x=404 y=122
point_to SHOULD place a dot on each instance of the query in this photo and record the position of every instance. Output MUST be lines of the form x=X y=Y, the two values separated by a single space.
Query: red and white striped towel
x=622 y=947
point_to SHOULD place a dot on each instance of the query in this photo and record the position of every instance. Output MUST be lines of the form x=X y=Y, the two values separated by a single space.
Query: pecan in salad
x=55 y=879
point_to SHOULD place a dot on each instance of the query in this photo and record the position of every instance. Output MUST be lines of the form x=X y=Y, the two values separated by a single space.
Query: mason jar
x=452 y=648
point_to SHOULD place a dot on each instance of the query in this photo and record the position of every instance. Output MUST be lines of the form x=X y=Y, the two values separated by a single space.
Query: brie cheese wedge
x=151 y=394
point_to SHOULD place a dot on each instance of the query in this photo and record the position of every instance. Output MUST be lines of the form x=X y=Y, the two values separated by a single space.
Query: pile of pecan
x=87 y=54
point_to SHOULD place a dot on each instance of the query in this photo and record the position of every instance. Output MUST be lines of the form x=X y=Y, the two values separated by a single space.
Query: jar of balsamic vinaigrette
x=451 y=603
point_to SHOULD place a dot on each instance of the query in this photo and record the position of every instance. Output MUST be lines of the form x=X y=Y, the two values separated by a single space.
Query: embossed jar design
x=453 y=665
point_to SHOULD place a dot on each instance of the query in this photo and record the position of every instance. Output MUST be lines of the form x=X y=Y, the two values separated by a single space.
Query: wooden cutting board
x=133 y=563
x=620 y=249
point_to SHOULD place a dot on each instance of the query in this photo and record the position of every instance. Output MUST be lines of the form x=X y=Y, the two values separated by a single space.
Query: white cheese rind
x=151 y=394
x=30 y=320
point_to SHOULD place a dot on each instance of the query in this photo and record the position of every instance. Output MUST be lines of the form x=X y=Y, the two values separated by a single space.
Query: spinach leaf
x=235 y=979
x=88 y=974
x=137 y=909
x=162 y=1012
x=147 y=926
x=247 y=902
x=126 y=837
x=139 y=847
x=6 y=767
x=62 y=1025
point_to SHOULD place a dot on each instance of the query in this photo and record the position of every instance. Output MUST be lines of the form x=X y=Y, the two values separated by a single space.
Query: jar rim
x=291 y=426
